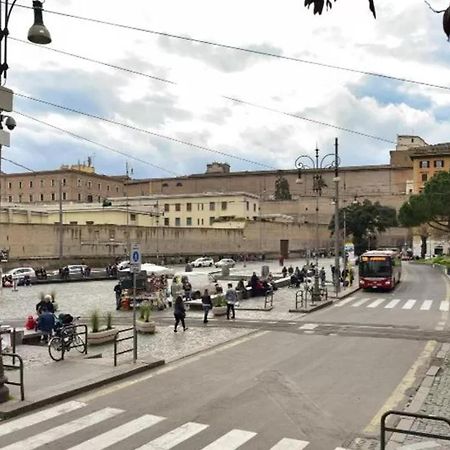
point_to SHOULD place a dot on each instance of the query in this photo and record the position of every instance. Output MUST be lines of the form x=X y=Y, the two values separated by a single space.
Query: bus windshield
x=375 y=267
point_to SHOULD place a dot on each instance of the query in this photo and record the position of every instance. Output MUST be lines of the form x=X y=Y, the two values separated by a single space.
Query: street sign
x=135 y=260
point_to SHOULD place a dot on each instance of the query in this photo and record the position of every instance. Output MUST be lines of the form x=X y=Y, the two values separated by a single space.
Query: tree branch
x=432 y=9
x=438 y=228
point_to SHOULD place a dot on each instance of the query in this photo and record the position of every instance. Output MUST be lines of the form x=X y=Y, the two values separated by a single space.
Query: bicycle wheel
x=79 y=344
x=55 y=348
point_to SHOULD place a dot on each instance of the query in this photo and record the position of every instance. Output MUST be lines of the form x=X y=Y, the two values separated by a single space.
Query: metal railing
x=385 y=428
x=118 y=340
x=303 y=295
x=268 y=298
x=13 y=366
x=71 y=331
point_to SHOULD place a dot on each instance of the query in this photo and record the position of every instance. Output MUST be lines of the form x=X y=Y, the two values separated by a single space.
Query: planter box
x=101 y=337
x=146 y=327
x=219 y=310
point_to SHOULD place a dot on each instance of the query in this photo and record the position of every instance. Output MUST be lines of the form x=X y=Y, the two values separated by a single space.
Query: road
x=316 y=384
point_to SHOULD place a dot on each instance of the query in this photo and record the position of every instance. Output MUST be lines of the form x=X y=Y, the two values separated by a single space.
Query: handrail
x=13 y=356
x=117 y=340
x=65 y=331
x=385 y=428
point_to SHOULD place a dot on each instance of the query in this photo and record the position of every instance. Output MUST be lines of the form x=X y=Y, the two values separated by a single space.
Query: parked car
x=77 y=269
x=20 y=273
x=199 y=282
x=124 y=267
x=225 y=262
x=203 y=262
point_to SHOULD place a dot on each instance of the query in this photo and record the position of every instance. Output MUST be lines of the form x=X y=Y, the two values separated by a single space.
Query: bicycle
x=65 y=339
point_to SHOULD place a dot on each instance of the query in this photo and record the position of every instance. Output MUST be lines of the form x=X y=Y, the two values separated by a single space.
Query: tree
x=282 y=191
x=363 y=219
x=319 y=5
x=431 y=207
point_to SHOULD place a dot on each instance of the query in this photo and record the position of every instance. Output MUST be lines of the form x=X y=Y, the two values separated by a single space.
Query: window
x=189 y=221
x=79 y=182
x=212 y=206
x=20 y=185
x=211 y=220
x=224 y=206
x=31 y=197
x=198 y=221
x=73 y=222
x=188 y=206
x=79 y=197
x=89 y=222
x=247 y=205
x=424 y=164
x=117 y=188
x=177 y=221
x=439 y=163
x=53 y=196
x=166 y=207
x=42 y=183
x=200 y=206
x=20 y=198
x=203 y=222
x=9 y=185
x=99 y=186
x=107 y=187
x=165 y=185
x=177 y=207
x=64 y=196
x=64 y=181
x=90 y=199
x=424 y=177
x=99 y=199
x=166 y=221
x=179 y=184
x=89 y=184
x=133 y=217
x=254 y=206
x=31 y=184
x=10 y=198
x=52 y=183
x=42 y=197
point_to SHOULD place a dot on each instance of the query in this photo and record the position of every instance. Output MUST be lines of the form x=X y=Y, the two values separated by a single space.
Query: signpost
x=135 y=268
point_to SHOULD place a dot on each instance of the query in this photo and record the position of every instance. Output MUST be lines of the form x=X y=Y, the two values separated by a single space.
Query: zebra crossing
x=397 y=303
x=120 y=434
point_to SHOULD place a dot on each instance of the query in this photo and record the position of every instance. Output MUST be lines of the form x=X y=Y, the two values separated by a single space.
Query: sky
x=405 y=41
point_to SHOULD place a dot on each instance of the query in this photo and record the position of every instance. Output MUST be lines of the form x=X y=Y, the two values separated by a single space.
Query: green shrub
x=109 y=319
x=94 y=321
x=145 y=311
x=220 y=300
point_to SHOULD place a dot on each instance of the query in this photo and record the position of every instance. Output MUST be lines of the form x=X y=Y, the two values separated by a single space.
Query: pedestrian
x=45 y=305
x=322 y=276
x=284 y=271
x=179 y=313
x=176 y=289
x=118 y=292
x=351 y=276
x=187 y=288
x=206 y=304
x=46 y=324
x=231 y=298
x=290 y=270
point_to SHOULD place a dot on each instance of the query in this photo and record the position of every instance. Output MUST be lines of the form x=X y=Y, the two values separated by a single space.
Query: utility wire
x=107 y=147
x=233 y=99
x=141 y=130
x=242 y=49
x=18 y=164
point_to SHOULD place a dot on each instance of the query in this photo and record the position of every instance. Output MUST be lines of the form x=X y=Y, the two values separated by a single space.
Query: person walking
x=351 y=276
x=118 y=292
x=179 y=313
x=322 y=276
x=231 y=298
x=206 y=304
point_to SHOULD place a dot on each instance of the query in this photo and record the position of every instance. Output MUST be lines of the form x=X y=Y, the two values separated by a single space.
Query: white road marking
x=360 y=302
x=309 y=326
x=53 y=434
x=119 y=434
x=41 y=416
x=290 y=444
x=393 y=303
x=409 y=304
x=376 y=303
x=444 y=305
x=420 y=446
x=230 y=441
x=426 y=305
x=174 y=437
x=344 y=302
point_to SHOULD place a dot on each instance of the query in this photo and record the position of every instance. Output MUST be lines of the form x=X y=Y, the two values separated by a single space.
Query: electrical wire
x=18 y=164
x=241 y=49
x=233 y=99
x=107 y=147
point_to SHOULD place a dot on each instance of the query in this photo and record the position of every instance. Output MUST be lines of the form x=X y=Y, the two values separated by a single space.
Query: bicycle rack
x=385 y=428
x=301 y=298
x=117 y=341
x=13 y=366
x=268 y=299
x=66 y=330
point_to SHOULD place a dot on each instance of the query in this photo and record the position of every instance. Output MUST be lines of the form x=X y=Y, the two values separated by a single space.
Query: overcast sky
x=406 y=41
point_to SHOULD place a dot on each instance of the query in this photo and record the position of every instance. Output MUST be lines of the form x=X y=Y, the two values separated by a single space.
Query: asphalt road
x=276 y=389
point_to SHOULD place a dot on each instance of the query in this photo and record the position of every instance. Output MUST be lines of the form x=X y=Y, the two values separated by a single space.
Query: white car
x=199 y=282
x=150 y=268
x=77 y=269
x=225 y=262
x=203 y=262
x=20 y=272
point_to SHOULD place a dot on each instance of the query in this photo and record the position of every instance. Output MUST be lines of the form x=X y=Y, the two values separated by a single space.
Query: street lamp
x=303 y=162
x=38 y=34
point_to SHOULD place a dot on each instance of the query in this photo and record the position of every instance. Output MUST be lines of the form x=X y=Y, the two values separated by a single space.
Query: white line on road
x=360 y=302
x=426 y=305
x=420 y=446
x=376 y=303
x=444 y=305
x=51 y=435
x=344 y=302
x=290 y=444
x=393 y=303
x=174 y=437
x=409 y=304
x=41 y=416
x=119 y=434
x=232 y=440
x=309 y=326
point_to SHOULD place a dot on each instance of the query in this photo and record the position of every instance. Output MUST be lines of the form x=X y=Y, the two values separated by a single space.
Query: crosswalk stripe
x=444 y=305
x=376 y=303
x=409 y=304
x=309 y=326
x=360 y=302
x=41 y=416
x=230 y=441
x=118 y=434
x=344 y=302
x=426 y=305
x=61 y=431
x=393 y=303
x=174 y=437
x=290 y=444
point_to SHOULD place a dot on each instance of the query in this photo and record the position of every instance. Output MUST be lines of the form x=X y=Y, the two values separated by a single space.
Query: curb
x=346 y=294
x=15 y=409
x=313 y=308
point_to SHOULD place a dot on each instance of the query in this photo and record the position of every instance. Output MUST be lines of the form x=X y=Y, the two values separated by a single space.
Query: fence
x=13 y=366
x=72 y=332
x=118 y=340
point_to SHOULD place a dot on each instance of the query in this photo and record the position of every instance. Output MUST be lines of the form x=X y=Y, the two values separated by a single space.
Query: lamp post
x=38 y=34
x=317 y=164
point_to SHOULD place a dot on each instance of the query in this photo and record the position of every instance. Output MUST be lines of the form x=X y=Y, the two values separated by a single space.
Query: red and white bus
x=380 y=269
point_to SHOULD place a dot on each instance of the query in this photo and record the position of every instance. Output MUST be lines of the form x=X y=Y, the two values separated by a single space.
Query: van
x=199 y=281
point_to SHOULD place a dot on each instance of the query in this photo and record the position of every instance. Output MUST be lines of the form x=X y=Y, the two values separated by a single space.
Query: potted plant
x=219 y=305
x=99 y=335
x=144 y=324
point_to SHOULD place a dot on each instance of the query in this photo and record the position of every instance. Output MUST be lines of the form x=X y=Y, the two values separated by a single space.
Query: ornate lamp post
x=317 y=164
